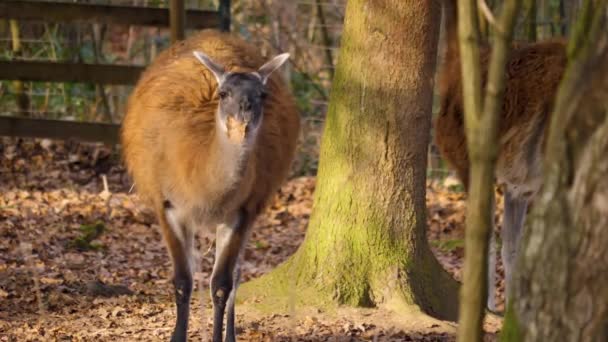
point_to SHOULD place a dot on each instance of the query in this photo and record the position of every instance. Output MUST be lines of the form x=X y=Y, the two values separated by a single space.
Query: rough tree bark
x=366 y=243
x=481 y=125
x=560 y=287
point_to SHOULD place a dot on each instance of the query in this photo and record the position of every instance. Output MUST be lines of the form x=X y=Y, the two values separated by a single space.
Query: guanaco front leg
x=179 y=243
x=230 y=321
x=229 y=242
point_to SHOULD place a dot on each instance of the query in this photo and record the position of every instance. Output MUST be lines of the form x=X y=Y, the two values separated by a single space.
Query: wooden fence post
x=23 y=101
x=224 y=11
x=177 y=20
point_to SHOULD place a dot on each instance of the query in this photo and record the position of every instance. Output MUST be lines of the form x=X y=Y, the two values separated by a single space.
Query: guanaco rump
x=208 y=138
x=533 y=75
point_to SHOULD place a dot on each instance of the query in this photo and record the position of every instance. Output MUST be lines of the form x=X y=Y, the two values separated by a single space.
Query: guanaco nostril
x=245 y=106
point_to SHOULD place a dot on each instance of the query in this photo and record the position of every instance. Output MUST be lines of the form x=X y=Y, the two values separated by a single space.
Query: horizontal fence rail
x=176 y=18
x=59 y=129
x=69 y=72
x=108 y=14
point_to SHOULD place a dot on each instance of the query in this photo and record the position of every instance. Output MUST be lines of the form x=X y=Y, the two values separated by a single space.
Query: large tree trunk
x=366 y=243
x=561 y=293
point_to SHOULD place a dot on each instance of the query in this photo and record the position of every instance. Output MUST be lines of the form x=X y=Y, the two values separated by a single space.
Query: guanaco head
x=241 y=96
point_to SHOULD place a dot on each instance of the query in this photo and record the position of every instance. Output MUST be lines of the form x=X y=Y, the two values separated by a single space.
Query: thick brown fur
x=168 y=132
x=533 y=75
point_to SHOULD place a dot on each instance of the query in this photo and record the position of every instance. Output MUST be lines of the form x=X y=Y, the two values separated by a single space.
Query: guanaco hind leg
x=491 y=303
x=513 y=222
x=492 y=249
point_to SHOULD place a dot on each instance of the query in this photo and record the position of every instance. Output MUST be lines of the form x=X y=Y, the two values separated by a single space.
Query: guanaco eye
x=223 y=94
x=263 y=95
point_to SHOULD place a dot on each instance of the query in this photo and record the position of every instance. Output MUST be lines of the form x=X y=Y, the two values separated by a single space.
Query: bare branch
x=487 y=13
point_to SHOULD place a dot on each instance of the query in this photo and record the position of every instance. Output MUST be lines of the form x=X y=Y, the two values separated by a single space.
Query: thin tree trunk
x=97 y=37
x=329 y=58
x=3 y=26
x=530 y=23
x=563 y=27
x=312 y=26
x=560 y=286
x=543 y=9
x=481 y=124
x=366 y=243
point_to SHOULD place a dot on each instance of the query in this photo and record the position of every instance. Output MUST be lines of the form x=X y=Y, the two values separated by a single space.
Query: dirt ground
x=82 y=260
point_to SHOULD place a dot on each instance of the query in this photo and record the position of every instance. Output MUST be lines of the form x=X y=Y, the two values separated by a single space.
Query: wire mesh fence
x=309 y=29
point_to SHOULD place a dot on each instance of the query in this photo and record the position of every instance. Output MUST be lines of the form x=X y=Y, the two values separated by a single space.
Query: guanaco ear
x=217 y=69
x=265 y=70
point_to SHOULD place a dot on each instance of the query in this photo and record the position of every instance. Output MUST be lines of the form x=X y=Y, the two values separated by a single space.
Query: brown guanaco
x=208 y=137
x=533 y=72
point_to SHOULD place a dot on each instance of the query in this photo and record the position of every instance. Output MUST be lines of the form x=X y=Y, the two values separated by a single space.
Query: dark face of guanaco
x=241 y=97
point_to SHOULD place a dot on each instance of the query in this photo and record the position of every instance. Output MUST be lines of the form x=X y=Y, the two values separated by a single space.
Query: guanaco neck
x=210 y=170
x=228 y=160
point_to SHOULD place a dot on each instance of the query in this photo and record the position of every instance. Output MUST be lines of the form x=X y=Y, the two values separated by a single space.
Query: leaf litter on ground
x=82 y=259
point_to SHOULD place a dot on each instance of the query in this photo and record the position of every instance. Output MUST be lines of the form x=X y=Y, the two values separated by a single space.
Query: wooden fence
x=177 y=18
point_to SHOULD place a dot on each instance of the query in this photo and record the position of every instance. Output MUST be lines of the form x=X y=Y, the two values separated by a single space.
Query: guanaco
x=208 y=137
x=533 y=74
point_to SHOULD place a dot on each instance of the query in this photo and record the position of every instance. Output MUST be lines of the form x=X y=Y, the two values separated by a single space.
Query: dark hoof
x=178 y=337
